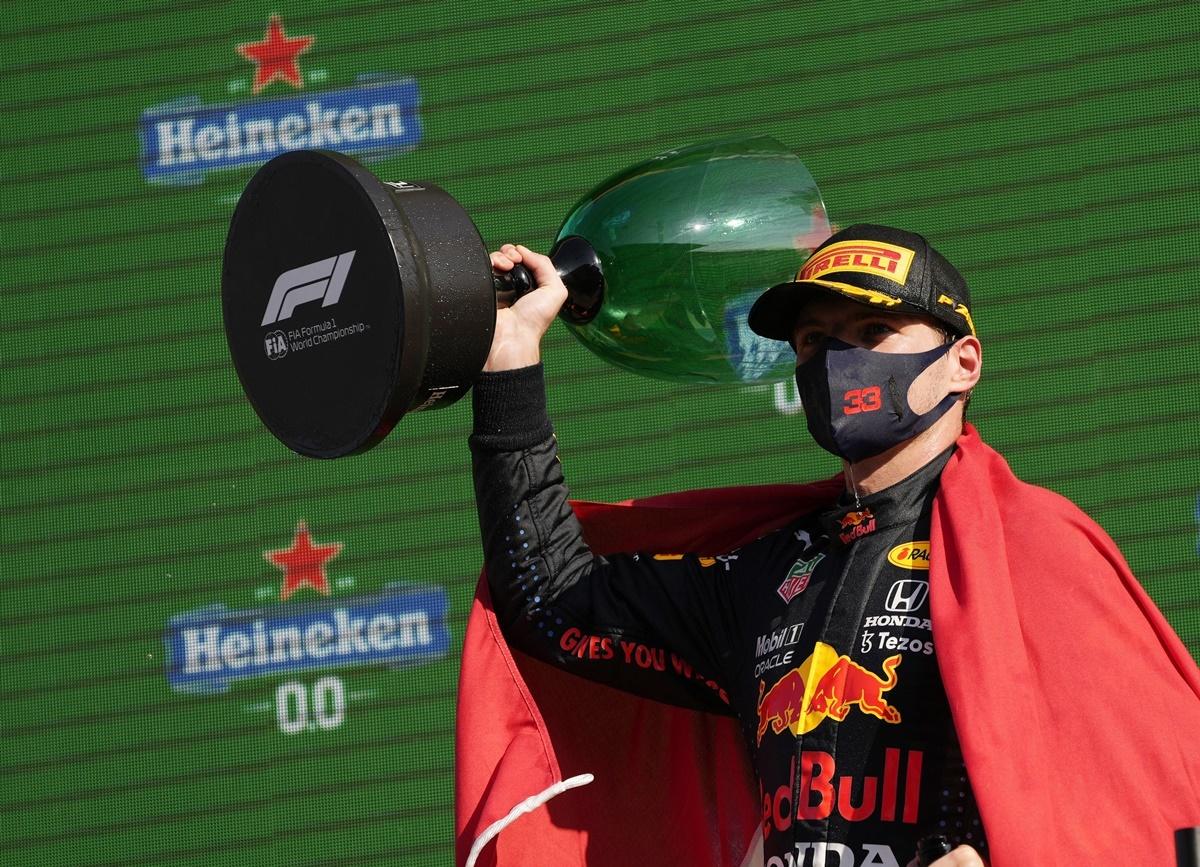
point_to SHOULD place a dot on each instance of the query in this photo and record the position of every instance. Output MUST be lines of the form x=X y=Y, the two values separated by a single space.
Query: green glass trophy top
x=688 y=240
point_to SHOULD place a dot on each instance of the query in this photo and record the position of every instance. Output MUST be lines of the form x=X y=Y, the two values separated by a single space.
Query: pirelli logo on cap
x=865 y=257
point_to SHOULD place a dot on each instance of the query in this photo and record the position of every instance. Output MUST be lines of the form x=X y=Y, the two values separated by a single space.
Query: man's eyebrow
x=863 y=313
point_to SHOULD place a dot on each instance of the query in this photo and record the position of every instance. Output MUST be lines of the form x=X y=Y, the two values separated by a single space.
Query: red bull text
x=821 y=793
x=855 y=525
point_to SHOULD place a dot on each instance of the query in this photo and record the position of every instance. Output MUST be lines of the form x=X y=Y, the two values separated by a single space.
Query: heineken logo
x=184 y=139
x=207 y=649
x=313 y=647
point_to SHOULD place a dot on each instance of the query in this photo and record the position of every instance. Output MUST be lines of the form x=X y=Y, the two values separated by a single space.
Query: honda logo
x=907 y=595
x=323 y=279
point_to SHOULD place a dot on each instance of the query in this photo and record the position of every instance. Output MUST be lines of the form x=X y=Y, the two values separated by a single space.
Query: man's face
x=873 y=328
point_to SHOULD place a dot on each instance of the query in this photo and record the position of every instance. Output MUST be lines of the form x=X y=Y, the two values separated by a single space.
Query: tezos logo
x=322 y=280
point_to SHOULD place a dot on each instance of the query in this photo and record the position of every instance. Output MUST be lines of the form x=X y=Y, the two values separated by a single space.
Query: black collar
x=900 y=503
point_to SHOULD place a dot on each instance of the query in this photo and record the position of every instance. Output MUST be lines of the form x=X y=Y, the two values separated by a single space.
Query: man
x=818 y=637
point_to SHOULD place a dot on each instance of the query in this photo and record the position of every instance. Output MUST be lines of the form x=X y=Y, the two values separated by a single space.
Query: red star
x=275 y=56
x=303 y=563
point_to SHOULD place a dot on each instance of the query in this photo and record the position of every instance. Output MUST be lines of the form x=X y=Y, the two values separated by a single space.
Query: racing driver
x=816 y=637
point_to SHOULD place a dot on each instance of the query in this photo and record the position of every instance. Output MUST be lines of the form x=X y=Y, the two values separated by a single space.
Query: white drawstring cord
x=527 y=806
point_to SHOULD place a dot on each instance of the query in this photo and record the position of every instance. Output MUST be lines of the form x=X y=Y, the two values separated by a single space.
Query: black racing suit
x=816 y=637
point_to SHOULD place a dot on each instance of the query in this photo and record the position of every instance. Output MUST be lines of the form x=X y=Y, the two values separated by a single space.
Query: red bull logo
x=826 y=684
x=855 y=525
x=855 y=519
x=820 y=792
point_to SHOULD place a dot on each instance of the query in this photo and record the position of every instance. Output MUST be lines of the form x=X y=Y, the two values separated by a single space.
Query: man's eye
x=876 y=329
x=808 y=340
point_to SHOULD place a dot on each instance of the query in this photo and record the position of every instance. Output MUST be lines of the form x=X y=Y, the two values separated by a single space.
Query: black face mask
x=856 y=400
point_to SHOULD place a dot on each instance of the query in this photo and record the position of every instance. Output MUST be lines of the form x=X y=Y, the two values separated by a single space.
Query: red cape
x=1077 y=706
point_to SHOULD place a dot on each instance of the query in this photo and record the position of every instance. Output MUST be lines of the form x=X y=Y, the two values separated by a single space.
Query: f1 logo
x=323 y=279
x=907 y=595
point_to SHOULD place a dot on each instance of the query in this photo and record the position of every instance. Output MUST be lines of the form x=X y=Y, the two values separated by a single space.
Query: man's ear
x=966 y=364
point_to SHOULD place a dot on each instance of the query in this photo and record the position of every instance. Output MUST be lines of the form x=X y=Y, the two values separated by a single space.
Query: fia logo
x=275 y=344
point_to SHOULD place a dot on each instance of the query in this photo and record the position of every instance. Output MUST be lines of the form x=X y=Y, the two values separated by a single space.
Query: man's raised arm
x=635 y=622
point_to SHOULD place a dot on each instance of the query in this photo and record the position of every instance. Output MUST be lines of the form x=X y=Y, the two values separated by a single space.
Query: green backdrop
x=1048 y=149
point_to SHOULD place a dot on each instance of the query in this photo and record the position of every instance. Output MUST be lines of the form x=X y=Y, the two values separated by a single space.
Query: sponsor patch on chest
x=910 y=555
x=798 y=577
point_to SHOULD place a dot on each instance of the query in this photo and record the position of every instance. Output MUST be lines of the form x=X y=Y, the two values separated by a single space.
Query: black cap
x=874 y=265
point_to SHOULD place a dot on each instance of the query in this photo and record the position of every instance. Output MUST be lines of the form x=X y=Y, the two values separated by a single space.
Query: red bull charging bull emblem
x=826 y=684
x=855 y=525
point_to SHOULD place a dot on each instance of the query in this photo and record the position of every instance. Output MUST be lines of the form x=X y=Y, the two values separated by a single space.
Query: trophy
x=349 y=301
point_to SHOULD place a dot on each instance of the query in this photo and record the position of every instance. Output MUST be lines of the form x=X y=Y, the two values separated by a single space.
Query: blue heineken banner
x=184 y=139
x=209 y=647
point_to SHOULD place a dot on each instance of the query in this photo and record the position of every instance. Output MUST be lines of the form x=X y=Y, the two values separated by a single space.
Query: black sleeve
x=659 y=626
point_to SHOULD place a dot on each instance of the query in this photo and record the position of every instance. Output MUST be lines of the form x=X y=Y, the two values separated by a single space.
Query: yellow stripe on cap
x=869 y=295
x=960 y=309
